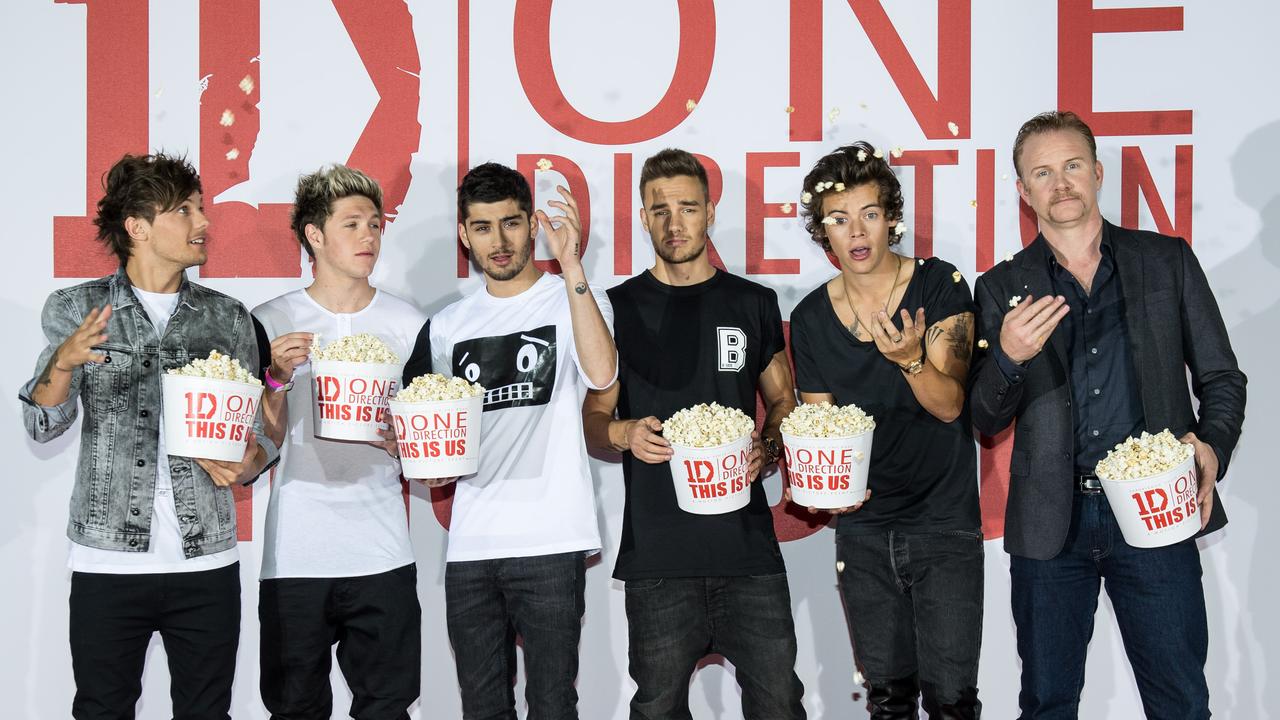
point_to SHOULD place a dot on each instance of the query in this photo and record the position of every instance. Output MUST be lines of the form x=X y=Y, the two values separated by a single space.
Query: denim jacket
x=112 y=500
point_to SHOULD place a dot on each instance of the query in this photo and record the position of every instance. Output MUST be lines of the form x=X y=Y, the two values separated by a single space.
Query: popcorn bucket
x=208 y=418
x=350 y=398
x=438 y=439
x=1156 y=510
x=828 y=473
x=712 y=480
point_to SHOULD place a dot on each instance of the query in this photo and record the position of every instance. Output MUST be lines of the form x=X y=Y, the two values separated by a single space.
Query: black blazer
x=1174 y=326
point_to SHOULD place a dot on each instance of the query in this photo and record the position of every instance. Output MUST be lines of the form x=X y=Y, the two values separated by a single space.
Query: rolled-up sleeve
x=59 y=319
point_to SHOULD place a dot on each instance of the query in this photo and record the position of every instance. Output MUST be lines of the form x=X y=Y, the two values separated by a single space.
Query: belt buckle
x=1088 y=484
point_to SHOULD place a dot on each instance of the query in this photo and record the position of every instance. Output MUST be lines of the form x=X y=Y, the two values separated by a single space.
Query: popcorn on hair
x=848 y=167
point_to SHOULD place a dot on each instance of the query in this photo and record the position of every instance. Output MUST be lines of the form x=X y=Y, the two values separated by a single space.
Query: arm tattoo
x=933 y=333
x=46 y=376
x=961 y=338
x=580 y=288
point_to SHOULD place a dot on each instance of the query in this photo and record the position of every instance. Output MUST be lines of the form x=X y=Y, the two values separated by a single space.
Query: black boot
x=894 y=700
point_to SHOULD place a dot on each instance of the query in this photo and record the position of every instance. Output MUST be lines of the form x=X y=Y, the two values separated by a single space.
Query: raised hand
x=1028 y=326
x=564 y=231
x=77 y=349
x=900 y=348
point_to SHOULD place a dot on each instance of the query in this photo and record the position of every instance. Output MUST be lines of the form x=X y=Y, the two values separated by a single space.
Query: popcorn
x=983 y=344
x=233 y=153
x=896 y=152
x=973 y=203
x=228 y=119
x=806 y=197
x=828 y=220
x=690 y=104
x=920 y=261
x=878 y=154
x=1008 y=257
x=363 y=348
x=434 y=387
x=862 y=156
x=859 y=455
x=835 y=113
x=954 y=128
x=899 y=229
x=790 y=109
x=1004 y=176
x=786 y=208
x=706 y=425
x=1013 y=301
x=544 y=164
x=824 y=420
x=858 y=678
x=217 y=367
x=840 y=186
x=839 y=566
x=956 y=276
x=246 y=84
x=1144 y=456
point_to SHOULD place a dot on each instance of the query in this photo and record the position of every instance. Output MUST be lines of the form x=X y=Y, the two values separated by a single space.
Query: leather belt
x=1088 y=484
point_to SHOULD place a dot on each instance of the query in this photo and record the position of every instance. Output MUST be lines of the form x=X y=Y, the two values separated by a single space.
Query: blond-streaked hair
x=316 y=193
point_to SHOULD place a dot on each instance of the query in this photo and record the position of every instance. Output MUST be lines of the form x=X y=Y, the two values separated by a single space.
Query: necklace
x=857 y=319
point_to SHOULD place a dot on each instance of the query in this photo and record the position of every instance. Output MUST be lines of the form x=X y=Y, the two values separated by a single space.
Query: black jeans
x=1159 y=605
x=376 y=622
x=914 y=603
x=674 y=622
x=488 y=603
x=112 y=618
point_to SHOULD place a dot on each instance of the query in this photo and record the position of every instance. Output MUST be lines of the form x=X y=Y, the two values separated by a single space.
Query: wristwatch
x=276 y=385
x=772 y=450
x=915 y=367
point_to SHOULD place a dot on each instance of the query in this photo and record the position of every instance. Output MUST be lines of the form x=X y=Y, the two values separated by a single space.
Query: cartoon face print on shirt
x=516 y=370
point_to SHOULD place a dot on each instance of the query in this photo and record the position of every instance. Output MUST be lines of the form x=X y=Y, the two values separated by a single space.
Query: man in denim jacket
x=153 y=536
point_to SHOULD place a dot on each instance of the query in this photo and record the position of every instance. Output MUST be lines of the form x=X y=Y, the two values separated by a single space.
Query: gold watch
x=915 y=367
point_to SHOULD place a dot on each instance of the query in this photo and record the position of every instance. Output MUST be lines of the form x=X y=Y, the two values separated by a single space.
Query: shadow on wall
x=1241 y=570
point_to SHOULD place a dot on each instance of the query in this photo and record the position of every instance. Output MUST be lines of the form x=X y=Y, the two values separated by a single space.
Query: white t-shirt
x=532 y=494
x=337 y=507
x=164 y=552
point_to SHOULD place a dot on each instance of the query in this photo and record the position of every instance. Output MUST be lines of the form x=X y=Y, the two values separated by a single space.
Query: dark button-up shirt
x=1105 y=404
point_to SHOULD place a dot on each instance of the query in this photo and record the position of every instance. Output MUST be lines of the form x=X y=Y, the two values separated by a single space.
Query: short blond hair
x=316 y=193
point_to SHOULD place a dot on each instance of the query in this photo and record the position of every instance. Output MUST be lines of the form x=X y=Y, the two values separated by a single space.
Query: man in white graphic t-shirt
x=523 y=524
x=337 y=566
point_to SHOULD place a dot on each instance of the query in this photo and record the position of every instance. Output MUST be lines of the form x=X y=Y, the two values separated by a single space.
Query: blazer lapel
x=1033 y=276
x=1129 y=265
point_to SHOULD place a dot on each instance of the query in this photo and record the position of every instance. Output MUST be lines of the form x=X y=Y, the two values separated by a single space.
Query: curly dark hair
x=842 y=166
x=493 y=182
x=141 y=186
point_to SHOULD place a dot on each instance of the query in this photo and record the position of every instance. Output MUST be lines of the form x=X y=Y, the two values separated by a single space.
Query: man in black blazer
x=1125 y=314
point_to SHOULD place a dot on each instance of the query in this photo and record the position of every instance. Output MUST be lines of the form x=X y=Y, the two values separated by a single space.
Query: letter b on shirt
x=732 y=344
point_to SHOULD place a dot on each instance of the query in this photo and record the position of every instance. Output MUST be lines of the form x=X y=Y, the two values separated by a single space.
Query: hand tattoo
x=580 y=288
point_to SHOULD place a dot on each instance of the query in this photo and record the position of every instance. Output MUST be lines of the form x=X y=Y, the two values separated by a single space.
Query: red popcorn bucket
x=208 y=418
x=828 y=473
x=438 y=439
x=712 y=480
x=350 y=398
x=1156 y=510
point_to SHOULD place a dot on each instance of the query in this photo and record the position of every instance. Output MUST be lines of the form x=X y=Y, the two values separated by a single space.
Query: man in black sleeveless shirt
x=688 y=333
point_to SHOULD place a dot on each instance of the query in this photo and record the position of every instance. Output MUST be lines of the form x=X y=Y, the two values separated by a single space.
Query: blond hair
x=314 y=197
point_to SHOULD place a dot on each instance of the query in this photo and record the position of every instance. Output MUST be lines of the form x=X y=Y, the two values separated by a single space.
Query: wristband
x=276 y=385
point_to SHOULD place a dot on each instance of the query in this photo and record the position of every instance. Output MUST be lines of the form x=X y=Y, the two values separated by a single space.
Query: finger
x=1042 y=309
x=1049 y=322
x=653 y=448
x=652 y=423
x=908 y=324
x=568 y=197
x=886 y=325
x=1020 y=309
x=878 y=335
x=920 y=324
x=1206 y=509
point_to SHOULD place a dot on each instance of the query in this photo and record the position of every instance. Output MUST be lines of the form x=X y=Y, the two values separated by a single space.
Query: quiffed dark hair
x=493 y=182
x=843 y=167
x=316 y=193
x=141 y=186
x=673 y=162
x=1052 y=121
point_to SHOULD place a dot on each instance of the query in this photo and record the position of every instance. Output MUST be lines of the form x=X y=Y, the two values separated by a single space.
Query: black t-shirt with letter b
x=679 y=346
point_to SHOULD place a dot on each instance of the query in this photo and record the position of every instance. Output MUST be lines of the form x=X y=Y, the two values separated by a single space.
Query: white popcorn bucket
x=208 y=418
x=712 y=480
x=350 y=398
x=1156 y=510
x=438 y=439
x=828 y=473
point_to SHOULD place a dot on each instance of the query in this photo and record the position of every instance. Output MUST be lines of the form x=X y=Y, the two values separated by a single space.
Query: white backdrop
x=390 y=88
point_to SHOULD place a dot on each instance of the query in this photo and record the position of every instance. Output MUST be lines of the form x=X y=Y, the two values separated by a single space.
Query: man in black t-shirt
x=893 y=335
x=688 y=333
